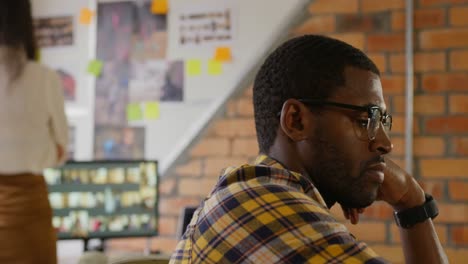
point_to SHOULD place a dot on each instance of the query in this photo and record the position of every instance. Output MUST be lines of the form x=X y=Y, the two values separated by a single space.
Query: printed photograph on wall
x=68 y=83
x=54 y=31
x=118 y=142
x=128 y=34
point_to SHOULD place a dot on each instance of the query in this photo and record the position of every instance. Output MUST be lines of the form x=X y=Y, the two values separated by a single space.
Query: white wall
x=258 y=23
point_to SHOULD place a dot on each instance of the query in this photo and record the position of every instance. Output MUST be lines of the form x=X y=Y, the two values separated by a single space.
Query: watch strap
x=409 y=217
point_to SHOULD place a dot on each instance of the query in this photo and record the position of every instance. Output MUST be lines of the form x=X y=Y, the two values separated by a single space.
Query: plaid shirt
x=264 y=213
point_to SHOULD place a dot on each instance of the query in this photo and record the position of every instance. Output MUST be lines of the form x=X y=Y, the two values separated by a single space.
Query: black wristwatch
x=409 y=217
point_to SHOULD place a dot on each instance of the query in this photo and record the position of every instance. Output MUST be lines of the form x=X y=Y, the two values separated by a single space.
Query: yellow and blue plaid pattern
x=264 y=213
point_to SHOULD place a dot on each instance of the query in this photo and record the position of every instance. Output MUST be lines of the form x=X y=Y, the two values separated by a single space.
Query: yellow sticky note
x=95 y=67
x=159 y=7
x=223 y=54
x=152 y=110
x=134 y=112
x=215 y=67
x=193 y=67
x=85 y=16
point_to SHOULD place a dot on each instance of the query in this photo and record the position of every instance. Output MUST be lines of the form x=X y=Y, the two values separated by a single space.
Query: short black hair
x=309 y=66
x=16 y=26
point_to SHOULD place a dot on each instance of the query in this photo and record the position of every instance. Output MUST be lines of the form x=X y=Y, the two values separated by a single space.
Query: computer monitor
x=104 y=199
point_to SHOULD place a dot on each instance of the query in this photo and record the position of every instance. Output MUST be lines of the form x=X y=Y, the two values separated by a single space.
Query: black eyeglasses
x=375 y=117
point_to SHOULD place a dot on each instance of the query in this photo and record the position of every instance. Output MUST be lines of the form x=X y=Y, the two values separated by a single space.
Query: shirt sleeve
x=58 y=121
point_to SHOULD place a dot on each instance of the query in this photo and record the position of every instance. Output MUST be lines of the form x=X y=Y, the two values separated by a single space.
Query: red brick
x=244 y=107
x=443 y=38
x=235 y=127
x=211 y=147
x=166 y=245
x=398 y=146
x=386 y=42
x=362 y=23
x=316 y=24
x=456 y=255
x=214 y=166
x=441 y=231
x=393 y=84
x=333 y=6
x=452 y=213
x=368 y=231
x=429 y=104
x=337 y=212
x=248 y=93
x=398 y=20
x=128 y=244
x=167 y=185
x=167 y=225
x=170 y=206
x=435 y=188
x=382 y=5
x=423 y=62
x=429 y=146
x=441 y=2
x=439 y=82
x=393 y=254
x=444 y=168
x=458 y=104
x=231 y=108
x=380 y=60
x=398 y=125
x=459 y=60
x=196 y=187
x=460 y=146
x=378 y=211
x=355 y=39
x=192 y=168
x=245 y=147
x=459 y=16
x=447 y=125
x=458 y=190
x=429 y=18
x=460 y=235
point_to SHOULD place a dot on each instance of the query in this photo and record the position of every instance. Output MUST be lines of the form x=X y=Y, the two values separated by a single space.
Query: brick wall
x=440 y=127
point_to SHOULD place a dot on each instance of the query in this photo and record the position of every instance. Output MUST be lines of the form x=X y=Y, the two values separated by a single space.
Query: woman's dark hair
x=16 y=26
x=310 y=67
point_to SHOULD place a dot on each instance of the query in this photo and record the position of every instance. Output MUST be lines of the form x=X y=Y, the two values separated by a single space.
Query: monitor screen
x=99 y=199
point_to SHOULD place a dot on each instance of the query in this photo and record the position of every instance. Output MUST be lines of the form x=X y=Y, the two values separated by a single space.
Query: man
x=322 y=129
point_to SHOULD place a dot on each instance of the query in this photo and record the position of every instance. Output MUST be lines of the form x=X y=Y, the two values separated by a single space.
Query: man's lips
x=376 y=172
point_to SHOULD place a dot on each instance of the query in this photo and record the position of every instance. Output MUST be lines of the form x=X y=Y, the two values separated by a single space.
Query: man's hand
x=400 y=189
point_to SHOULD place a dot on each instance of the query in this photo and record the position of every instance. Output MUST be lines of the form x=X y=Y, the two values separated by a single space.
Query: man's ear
x=294 y=121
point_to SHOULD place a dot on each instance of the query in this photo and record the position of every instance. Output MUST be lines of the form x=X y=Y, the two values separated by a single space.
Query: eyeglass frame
x=369 y=109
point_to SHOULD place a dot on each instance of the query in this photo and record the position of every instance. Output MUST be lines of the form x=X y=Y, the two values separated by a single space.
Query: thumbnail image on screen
x=104 y=199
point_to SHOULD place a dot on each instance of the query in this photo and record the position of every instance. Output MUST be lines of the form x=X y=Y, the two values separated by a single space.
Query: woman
x=33 y=136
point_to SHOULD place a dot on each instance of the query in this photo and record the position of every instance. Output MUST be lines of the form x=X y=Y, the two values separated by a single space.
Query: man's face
x=346 y=166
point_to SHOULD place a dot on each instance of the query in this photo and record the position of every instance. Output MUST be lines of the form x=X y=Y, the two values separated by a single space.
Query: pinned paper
x=159 y=7
x=193 y=67
x=223 y=54
x=85 y=16
x=152 y=110
x=95 y=67
x=215 y=67
x=134 y=112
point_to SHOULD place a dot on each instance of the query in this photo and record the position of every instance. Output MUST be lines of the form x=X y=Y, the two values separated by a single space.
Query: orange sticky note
x=85 y=16
x=159 y=7
x=223 y=54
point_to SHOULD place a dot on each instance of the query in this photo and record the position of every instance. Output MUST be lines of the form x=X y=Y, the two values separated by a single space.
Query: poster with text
x=53 y=31
x=206 y=25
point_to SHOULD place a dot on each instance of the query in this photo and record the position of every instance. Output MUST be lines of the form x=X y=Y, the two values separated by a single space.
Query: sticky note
x=193 y=67
x=134 y=112
x=95 y=67
x=152 y=110
x=223 y=54
x=215 y=67
x=85 y=16
x=159 y=7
